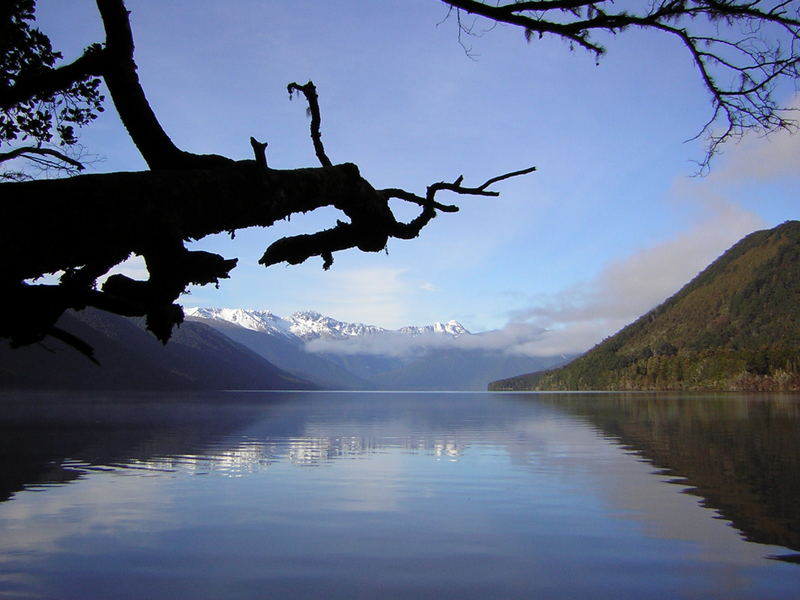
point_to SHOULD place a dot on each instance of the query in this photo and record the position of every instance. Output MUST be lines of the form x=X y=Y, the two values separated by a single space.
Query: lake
x=399 y=495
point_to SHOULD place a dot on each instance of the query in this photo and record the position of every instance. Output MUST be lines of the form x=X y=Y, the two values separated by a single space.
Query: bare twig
x=74 y=341
x=370 y=230
x=26 y=151
x=756 y=45
x=476 y=191
x=410 y=197
x=310 y=92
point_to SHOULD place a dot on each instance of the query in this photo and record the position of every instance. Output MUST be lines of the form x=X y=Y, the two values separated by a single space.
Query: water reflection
x=51 y=439
x=482 y=495
x=739 y=453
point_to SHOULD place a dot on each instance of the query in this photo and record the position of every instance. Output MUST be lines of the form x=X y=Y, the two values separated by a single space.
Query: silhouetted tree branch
x=85 y=225
x=49 y=82
x=33 y=153
x=741 y=48
x=129 y=98
x=310 y=92
x=372 y=223
x=41 y=105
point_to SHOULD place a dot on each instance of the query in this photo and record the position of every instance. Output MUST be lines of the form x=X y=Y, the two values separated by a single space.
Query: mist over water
x=423 y=495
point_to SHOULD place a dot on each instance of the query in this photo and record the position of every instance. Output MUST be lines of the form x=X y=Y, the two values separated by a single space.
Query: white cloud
x=581 y=316
x=566 y=322
x=392 y=343
x=762 y=158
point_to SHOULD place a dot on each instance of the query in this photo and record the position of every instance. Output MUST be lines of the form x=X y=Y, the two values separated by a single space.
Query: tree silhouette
x=741 y=48
x=83 y=226
x=32 y=106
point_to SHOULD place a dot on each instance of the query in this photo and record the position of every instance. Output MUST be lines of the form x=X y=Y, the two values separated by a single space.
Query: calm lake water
x=404 y=495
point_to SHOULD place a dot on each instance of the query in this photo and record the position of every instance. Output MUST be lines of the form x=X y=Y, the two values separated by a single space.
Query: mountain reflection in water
x=50 y=438
x=406 y=495
x=739 y=453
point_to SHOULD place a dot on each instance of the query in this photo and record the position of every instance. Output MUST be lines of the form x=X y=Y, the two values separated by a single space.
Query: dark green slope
x=736 y=326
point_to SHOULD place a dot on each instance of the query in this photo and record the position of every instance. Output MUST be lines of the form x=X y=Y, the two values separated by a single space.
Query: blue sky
x=611 y=223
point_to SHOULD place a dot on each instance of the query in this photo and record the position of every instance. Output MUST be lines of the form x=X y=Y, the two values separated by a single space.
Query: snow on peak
x=454 y=328
x=451 y=328
x=257 y=320
x=309 y=325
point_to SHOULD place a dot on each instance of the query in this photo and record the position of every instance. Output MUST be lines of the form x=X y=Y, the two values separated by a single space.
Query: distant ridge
x=309 y=325
x=270 y=337
x=340 y=355
x=736 y=326
x=196 y=358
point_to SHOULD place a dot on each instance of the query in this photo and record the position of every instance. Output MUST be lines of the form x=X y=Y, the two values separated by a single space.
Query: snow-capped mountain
x=311 y=325
x=451 y=328
x=255 y=320
x=339 y=355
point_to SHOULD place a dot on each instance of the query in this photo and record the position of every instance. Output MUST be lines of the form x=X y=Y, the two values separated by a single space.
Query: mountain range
x=218 y=348
x=736 y=326
x=340 y=355
x=310 y=325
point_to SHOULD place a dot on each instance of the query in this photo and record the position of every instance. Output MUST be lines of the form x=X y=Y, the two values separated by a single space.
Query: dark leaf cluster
x=25 y=55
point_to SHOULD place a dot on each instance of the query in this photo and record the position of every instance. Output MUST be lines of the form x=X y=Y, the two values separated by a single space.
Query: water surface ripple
x=404 y=495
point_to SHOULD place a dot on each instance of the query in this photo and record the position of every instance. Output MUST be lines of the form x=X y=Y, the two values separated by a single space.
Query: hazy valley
x=250 y=349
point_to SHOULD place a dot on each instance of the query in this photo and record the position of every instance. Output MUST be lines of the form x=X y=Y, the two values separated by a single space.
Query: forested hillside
x=734 y=327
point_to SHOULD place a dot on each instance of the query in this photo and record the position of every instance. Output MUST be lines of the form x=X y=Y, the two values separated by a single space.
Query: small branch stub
x=259 y=152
